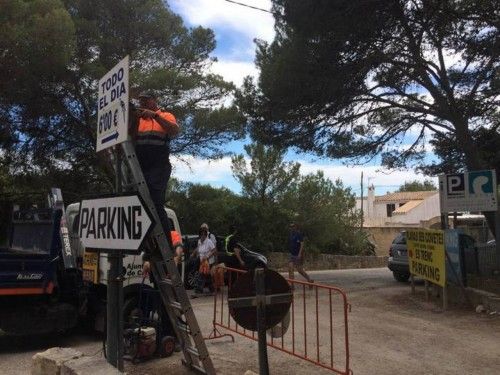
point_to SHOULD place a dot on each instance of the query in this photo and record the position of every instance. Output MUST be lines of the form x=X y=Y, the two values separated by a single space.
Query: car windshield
x=32 y=238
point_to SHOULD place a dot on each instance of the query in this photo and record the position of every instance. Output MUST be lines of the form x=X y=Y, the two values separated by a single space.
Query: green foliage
x=416 y=185
x=195 y=204
x=274 y=195
x=352 y=79
x=325 y=211
x=269 y=176
x=53 y=54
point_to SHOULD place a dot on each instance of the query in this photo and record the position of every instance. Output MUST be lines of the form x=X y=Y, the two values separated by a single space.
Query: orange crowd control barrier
x=317 y=329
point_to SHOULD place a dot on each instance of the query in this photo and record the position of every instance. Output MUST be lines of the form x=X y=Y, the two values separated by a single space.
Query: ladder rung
x=198 y=368
x=192 y=351
x=194 y=367
x=176 y=305
x=167 y=281
x=184 y=327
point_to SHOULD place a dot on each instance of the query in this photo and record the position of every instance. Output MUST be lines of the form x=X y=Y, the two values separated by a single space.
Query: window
x=390 y=209
x=400 y=239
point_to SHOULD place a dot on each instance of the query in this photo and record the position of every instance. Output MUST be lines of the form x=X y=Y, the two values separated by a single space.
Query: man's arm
x=237 y=253
x=165 y=119
x=301 y=248
x=168 y=122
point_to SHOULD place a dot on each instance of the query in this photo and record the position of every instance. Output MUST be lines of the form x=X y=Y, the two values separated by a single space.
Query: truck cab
x=38 y=294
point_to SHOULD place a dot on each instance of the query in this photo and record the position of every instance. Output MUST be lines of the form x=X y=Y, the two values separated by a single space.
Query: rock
x=50 y=361
x=250 y=372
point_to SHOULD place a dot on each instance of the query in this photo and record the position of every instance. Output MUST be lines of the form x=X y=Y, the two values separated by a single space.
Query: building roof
x=405 y=196
x=407 y=207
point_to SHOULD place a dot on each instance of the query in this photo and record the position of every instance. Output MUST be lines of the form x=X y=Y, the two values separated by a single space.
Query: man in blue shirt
x=296 y=249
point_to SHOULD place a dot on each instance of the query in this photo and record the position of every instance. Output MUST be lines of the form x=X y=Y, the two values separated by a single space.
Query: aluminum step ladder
x=169 y=283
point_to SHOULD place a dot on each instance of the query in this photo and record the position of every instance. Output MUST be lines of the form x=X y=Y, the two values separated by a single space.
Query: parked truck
x=41 y=288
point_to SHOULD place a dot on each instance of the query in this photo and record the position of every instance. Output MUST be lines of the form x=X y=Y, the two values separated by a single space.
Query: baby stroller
x=149 y=332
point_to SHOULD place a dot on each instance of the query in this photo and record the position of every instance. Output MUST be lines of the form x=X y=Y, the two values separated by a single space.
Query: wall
x=429 y=208
x=383 y=237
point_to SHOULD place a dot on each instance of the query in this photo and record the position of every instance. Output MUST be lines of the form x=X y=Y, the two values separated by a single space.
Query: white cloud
x=189 y=168
x=383 y=179
x=235 y=71
x=218 y=173
x=211 y=13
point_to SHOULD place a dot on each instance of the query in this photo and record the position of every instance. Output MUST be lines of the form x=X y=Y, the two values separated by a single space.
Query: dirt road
x=391 y=332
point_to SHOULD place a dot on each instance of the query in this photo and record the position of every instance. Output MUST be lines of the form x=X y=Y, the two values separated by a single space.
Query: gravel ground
x=390 y=332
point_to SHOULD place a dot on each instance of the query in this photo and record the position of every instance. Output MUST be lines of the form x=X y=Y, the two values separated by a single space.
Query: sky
x=235 y=29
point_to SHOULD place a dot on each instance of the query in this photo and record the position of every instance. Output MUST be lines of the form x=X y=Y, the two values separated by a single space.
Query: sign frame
x=118 y=249
x=113 y=106
x=456 y=192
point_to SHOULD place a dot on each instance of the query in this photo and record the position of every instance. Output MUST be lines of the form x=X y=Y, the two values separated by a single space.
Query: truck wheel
x=131 y=311
x=401 y=277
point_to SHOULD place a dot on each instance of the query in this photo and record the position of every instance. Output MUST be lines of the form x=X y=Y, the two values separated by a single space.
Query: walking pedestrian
x=296 y=253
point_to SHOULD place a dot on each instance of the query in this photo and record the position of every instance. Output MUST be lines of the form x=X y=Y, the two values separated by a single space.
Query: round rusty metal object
x=244 y=286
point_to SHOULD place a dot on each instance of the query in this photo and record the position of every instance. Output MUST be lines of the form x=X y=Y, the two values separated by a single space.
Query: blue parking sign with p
x=481 y=182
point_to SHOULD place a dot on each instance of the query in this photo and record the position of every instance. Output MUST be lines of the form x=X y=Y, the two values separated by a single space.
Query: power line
x=249 y=6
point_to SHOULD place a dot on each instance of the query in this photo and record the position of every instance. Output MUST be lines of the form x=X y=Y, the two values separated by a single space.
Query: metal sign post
x=103 y=223
x=114 y=298
x=260 y=295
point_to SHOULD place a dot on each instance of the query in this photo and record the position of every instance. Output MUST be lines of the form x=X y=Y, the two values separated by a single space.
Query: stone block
x=50 y=361
x=88 y=366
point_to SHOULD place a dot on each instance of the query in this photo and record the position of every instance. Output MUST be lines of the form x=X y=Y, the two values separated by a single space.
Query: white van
x=95 y=265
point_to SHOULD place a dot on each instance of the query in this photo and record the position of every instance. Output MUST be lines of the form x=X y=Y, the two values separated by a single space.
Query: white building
x=402 y=208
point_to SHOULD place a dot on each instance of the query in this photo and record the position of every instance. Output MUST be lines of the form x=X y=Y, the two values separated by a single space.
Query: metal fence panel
x=322 y=341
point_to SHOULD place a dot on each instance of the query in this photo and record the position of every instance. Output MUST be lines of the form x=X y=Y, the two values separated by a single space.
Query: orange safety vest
x=150 y=132
x=176 y=237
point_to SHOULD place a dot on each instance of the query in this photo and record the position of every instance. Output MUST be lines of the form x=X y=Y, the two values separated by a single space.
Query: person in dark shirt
x=296 y=253
x=233 y=249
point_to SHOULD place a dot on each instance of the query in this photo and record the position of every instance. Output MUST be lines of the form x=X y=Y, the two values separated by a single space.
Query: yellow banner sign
x=426 y=254
x=90 y=267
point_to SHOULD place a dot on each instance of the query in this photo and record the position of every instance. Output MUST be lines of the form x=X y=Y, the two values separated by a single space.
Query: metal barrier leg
x=260 y=294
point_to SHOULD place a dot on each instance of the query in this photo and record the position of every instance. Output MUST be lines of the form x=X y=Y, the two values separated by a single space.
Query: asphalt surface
x=390 y=332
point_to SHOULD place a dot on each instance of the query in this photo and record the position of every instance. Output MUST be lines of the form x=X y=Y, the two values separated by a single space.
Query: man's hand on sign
x=146 y=113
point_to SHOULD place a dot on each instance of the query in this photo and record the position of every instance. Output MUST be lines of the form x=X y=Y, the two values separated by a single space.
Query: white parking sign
x=112 y=104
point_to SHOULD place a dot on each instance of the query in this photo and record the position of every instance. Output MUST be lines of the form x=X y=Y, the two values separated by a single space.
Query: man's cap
x=147 y=94
x=204 y=225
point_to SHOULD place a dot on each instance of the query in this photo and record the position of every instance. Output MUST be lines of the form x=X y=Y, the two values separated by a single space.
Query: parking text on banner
x=426 y=254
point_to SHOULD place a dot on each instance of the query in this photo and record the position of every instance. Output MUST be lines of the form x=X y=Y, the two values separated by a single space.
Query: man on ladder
x=155 y=129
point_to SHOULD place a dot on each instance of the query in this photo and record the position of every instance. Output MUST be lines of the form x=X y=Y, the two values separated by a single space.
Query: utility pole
x=361 y=200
